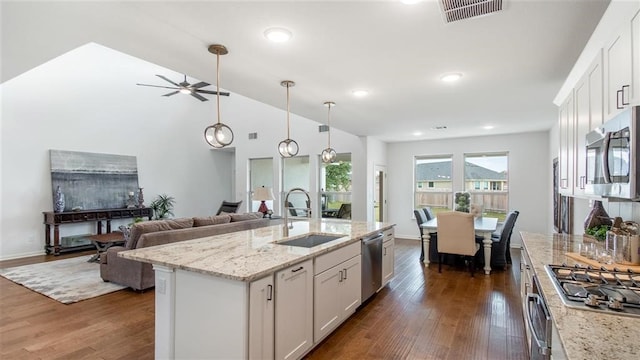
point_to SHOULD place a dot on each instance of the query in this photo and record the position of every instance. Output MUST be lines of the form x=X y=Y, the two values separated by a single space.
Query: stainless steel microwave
x=612 y=157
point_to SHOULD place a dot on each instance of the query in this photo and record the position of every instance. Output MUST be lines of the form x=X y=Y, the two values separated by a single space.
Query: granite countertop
x=584 y=334
x=251 y=254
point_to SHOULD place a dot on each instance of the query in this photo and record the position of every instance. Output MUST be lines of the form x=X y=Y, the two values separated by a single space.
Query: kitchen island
x=215 y=295
x=583 y=334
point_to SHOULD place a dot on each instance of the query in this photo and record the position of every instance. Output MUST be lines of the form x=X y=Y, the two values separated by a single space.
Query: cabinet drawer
x=329 y=260
x=387 y=235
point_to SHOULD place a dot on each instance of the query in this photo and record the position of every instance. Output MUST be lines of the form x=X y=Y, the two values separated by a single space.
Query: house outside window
x=434 y=172
x=486 y=180
x=335 y=184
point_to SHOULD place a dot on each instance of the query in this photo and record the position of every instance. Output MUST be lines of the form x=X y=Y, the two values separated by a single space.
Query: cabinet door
x=635 y=59
x=388 y=254
x=261 y=318
x=617 y=62
x=294 y=311
x=566 y=146
x=351 y=286
x=327 y=306
x=596 y=99
x=581 y=92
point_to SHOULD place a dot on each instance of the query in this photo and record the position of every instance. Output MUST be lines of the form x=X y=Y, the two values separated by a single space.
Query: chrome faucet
x=288 y=226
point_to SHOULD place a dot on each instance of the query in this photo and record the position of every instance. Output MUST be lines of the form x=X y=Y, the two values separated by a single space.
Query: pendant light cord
x=218 y=84
x=288 y=135
x=329 y=124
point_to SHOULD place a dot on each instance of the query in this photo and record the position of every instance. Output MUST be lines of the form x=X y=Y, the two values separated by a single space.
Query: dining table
x=483 y=226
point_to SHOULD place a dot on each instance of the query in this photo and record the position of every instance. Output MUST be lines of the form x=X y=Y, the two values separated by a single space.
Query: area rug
x=67 y=281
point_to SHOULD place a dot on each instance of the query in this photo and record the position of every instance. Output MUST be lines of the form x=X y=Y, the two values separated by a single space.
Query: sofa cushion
x=246 y=216
x=211 y=220
x=153 y=226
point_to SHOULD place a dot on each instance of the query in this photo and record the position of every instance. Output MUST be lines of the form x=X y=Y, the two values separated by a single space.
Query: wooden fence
x=494 y=201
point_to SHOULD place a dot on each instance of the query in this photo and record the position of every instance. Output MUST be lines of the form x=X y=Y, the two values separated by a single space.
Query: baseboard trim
x=22 y=255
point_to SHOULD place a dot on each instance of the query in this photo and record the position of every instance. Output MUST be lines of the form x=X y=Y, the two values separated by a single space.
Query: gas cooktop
x=588 y=288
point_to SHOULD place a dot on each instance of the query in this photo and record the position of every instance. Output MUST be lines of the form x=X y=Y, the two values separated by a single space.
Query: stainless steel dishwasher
x=371 y=265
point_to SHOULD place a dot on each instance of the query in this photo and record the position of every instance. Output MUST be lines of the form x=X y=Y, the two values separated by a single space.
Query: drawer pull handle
x=298 y=269
x=269 y=292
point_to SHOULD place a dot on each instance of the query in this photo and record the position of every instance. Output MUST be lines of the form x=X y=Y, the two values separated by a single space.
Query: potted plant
x=162 y=206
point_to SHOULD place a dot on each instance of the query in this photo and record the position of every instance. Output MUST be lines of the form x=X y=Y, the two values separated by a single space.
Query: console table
x=56 y=219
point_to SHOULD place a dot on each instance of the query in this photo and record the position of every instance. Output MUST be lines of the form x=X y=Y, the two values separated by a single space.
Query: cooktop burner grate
x=610 y=291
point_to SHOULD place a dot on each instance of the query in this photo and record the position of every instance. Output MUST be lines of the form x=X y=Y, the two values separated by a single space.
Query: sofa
x=140 y=276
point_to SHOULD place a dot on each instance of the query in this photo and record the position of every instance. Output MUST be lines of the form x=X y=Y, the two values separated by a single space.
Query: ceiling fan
x=185 y=88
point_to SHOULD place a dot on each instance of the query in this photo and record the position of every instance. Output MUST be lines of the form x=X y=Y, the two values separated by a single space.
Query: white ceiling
x=514 y=62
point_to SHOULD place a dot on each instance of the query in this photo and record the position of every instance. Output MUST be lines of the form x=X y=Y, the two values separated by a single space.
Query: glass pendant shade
x=288 y=148
x=218 y=135
x=328 y=155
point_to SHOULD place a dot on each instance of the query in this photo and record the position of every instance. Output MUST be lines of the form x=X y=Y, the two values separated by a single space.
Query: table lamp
x=263 y=194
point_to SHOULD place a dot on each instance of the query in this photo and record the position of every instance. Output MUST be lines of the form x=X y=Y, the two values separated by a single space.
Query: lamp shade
x=262 y=194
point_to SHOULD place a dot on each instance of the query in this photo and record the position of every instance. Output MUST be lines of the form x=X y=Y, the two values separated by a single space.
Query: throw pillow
x=145 y=227
x=211 y=220
x=246 y=216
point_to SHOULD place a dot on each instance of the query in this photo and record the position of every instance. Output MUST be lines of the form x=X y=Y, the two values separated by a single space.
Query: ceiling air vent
x=253 y=136
x=323 y=128
x=455 y=10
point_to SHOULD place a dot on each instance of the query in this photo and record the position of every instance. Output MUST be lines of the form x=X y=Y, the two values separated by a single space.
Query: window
x=486 y=180
x=335 y=186
x=260 y=174
x=433 y=182
x=295 y=174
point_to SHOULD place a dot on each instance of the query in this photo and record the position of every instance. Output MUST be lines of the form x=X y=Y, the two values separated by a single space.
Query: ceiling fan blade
x=171 y=93
x=199 y=85
x=158 y=86
x=165 y=79
x=201 y=98
x=222 y=93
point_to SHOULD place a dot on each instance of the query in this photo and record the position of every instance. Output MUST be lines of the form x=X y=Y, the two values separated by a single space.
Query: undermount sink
x=310 y=240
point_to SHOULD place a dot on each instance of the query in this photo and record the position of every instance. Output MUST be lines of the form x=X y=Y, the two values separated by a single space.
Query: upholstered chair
x=456 y=235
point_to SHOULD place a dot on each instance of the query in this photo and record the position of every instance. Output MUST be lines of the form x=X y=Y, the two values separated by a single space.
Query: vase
x=597 y=216
x=58 y=202
x=140 y=199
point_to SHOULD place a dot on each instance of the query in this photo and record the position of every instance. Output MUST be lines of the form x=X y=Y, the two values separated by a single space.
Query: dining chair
x=433 y=237
x=500 y=248
x=420 y=218
x=229 y=207
x=456 y=235
x=344 y=212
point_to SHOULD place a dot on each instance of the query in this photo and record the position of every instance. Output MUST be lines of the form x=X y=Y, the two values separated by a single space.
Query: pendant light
x=287 y=147
x=218 y=135
x=328 y=154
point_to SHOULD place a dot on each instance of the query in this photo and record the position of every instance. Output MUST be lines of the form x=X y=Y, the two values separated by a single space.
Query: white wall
x=529 y=174
x=87 y=100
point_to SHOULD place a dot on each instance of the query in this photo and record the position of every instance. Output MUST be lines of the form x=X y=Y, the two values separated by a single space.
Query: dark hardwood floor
x=421 y=315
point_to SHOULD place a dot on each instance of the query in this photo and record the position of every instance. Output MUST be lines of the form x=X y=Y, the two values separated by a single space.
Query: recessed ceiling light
x=360 y=93
x=278 y=34
x=451 y=77
x=417 y=133
x=410 y=2
x=488 y=127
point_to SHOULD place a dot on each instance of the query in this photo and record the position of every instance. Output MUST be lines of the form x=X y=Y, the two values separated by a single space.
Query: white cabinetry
x=566 y=124
x=526 y=283
x=337 y=288
x=588 y=116
x=261 y=318
x=621 y=63
x=388 y=254
x=294 y=311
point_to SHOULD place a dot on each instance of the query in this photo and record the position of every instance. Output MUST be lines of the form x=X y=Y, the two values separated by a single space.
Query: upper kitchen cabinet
x=622 y=77
x=566 y=124
x=588 y=116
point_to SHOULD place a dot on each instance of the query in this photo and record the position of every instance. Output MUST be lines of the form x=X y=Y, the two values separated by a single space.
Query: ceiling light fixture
x=360 y=93
x=218 y=135
x=287 y=147
x=417 y=133
x=410 y=2
x=328 y=154
x=278 y=35
x=488 y=127
x=451 y=77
